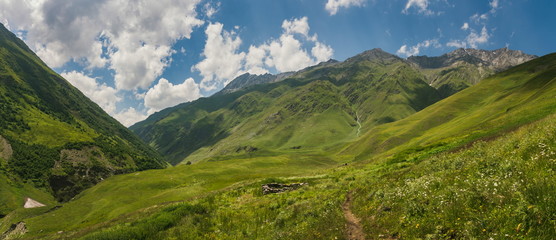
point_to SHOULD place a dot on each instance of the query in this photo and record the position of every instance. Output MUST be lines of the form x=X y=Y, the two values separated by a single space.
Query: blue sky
x=136 y=57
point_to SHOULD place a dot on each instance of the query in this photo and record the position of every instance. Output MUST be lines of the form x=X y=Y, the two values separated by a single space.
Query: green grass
x=13 y=193
x=125 y=194
x=500 y=189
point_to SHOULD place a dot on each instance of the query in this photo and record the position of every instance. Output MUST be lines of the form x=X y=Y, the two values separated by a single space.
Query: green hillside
x=476 y=164
x=310 y=111
x=317 y=108
x=522 y=94
x=55 y=141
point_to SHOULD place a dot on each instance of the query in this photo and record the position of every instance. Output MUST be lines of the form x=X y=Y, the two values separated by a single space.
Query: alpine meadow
x=203 y=119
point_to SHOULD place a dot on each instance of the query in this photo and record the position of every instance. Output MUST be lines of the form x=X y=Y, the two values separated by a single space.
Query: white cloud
x=465 y=26
x=421 y=5
x=101 y=94
x=300 y=26
x=332 y=6
x=137 y=68
x=456 y=44
x=414 y=50
x=83 y=30
x=129 y=116
x=322 y=52
x=254 y=60
x=472 y=40
x=286 y=54
x=476 y=18
x=222 y=60
x=211 y=9
x=165 y=94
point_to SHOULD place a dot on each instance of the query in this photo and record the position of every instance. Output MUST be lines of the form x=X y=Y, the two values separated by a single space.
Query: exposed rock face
x=5 y=149
x=279 y=187
x=462 y=68
x=497 y=60
x=15 y=231
x=79 y=169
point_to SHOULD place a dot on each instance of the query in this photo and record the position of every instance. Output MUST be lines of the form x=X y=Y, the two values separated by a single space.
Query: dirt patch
x=30 y=203
x=354 y=231
x=15 y=231
x=5 y=149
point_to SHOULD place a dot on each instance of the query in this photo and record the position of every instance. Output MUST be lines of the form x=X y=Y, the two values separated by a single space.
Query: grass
x=500 y=189
x=124 y=194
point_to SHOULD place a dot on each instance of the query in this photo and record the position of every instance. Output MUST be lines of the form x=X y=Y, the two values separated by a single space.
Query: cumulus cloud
x=100 y=93
x=322 y=52
x=332 y=6
x=414 y=50
x=137 y=68
x=420 y=5
x=129 y=116
x=300 y=26
x=473 y=40
x=100 y=33
x=223 y=60
x=286 y=54
x=254 y=60
x=165 y=94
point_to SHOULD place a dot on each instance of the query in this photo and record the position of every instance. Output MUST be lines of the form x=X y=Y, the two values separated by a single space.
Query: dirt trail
x=354 y=231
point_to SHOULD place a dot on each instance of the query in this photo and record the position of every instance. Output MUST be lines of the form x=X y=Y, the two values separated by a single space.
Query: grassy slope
x=501 y=189
x=519 y=95
x=41 y=114
x=124 y=194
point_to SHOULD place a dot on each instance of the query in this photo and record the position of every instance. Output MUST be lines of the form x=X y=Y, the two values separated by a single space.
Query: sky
x=136 y=57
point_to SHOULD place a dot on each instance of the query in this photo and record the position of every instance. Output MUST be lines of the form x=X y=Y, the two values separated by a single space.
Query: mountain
x=461 y=68
x=477 y=164
x=310 y=110
x=317 y=107
x=522 y=94
x=52 y=136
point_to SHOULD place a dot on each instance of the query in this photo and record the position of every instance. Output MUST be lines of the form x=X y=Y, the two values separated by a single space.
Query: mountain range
x=314 y=108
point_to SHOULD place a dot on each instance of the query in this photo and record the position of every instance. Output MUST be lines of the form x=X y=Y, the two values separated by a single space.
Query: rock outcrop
x=280 y=187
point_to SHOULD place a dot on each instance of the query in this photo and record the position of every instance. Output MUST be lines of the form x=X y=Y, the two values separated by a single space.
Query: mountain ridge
x=59 y=139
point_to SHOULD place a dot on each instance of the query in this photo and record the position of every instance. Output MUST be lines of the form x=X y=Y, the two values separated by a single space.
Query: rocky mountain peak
x=373 y=54
x=497 y=60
